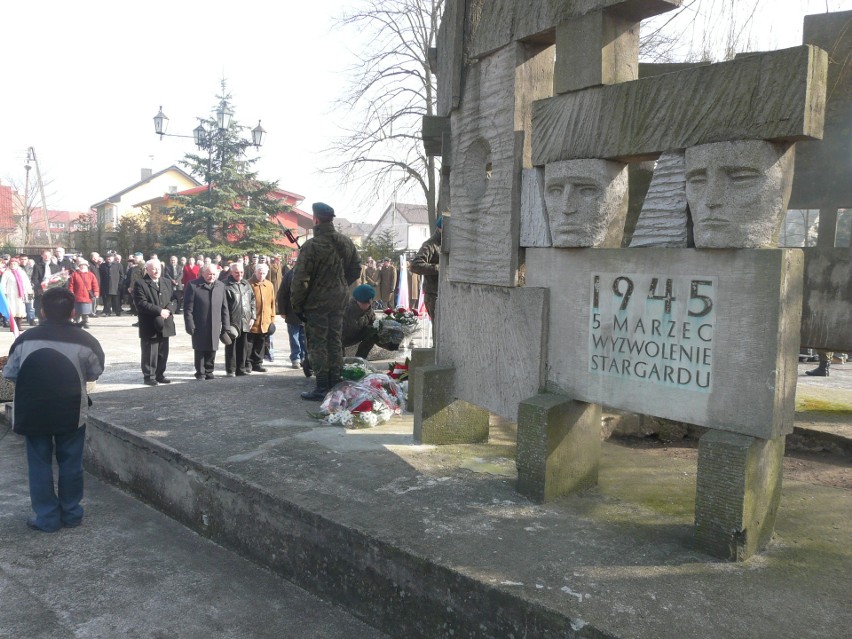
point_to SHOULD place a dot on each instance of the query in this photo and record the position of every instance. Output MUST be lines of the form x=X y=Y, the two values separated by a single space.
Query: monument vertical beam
x=737 y=494
x=598 y=48
x=559 y=446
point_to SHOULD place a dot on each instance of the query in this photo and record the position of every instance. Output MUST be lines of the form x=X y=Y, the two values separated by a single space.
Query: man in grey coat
x=205 y=314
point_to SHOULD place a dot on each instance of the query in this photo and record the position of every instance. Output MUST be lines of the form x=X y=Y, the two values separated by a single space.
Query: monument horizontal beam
x=496 y=23
x=771 y=96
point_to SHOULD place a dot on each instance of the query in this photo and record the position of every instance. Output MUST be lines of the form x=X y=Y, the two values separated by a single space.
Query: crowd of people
x=327 y=299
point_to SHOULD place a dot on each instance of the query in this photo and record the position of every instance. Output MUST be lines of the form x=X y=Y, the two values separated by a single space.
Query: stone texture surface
x=827 y=299
x=743 y=206
x=597 y=48
x=777 y=95
x=737 y=493
x=663 y=220
x=450 y=44
x=823 y=168
x=756 y=306
x=559 y=446
x=535 y=228
x=489 y=150
x=439 y=418
x=586 y=202
x=495 y=23
x=493 y=337
x=420 y=357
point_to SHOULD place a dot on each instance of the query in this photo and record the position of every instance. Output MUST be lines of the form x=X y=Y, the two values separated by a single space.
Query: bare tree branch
x=392 y=89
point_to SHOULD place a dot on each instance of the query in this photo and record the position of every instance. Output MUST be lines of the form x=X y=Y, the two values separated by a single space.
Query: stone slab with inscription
x=705 y=337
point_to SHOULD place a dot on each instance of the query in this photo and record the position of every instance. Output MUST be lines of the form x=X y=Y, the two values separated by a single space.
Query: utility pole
x=31 y=157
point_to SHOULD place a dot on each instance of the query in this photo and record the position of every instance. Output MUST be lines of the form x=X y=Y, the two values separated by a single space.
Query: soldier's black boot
x=318 y=393
x=822 y=370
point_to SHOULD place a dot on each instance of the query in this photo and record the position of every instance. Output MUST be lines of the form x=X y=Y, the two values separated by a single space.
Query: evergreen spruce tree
x=234 y=214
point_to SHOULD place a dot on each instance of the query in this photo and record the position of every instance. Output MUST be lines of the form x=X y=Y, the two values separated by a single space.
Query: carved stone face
x=738 y=192
x=586 y=202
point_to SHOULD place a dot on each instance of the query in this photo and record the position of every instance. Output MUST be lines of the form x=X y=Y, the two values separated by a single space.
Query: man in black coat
x=112 y=285
x=242 y=309
x=152 y=296
x=206 y=316
x=42 y=267
x=174 y=273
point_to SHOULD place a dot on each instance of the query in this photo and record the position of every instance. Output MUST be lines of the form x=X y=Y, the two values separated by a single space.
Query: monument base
x=420 y=357
x=439 y=418
x=559 y=446
x=737 y=493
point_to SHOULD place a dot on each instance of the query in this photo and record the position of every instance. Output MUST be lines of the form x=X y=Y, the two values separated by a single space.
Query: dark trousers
x=236 y=354
x=256 y=348
x=204 y=362
x=112 y=304
x=325 y=341
x=155 y=355
x=366 y=338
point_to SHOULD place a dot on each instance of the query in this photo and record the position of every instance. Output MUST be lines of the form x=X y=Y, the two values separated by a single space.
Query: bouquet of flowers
x=55 y=280
x=362 y=404
x=355 y=369
x=398 y=371
x=405 y=317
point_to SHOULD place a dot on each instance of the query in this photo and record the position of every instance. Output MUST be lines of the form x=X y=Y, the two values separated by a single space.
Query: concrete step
x=130 y=571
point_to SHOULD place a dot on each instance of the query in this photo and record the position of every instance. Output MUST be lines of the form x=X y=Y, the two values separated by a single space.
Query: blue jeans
x=52 y=512
x=298 y=348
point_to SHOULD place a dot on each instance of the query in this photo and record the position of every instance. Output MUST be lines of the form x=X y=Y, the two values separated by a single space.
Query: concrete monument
x=538 y=185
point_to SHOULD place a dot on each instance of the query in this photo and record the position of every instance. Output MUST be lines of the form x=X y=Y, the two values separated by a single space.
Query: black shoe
x=258 y=369
x=164 y=380
x=209 y=376
x=199 y=376
x=822 y=371
x=240 y=373
x=151 y=382
x=316 y=395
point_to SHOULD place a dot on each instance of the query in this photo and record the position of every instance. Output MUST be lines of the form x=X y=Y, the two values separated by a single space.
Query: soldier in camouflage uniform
x=328 y=264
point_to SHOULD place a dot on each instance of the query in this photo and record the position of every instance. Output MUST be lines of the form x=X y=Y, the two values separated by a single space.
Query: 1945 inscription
x=653 y=328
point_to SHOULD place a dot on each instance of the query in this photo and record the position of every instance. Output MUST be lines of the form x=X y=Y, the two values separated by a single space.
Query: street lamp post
x=208 y=137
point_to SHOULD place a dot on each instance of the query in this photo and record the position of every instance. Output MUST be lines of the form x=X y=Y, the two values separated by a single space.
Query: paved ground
x=618 y=556
x=130 y=571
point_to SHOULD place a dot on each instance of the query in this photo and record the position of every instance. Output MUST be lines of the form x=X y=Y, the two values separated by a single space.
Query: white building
x=409 y=223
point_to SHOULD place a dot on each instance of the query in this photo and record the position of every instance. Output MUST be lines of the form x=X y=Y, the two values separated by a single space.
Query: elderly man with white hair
x=155 y=306
x=264 y=295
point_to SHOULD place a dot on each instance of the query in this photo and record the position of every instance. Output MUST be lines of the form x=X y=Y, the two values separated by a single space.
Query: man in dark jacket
x=42 y=267
x=152 y=296
x=295 y=326
x=328 y=264
x=112 y=285
x=242 y=310
x=50 y=365
x=358 y=319
x=206 y=317
x=174 y=272
x=425 y=264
